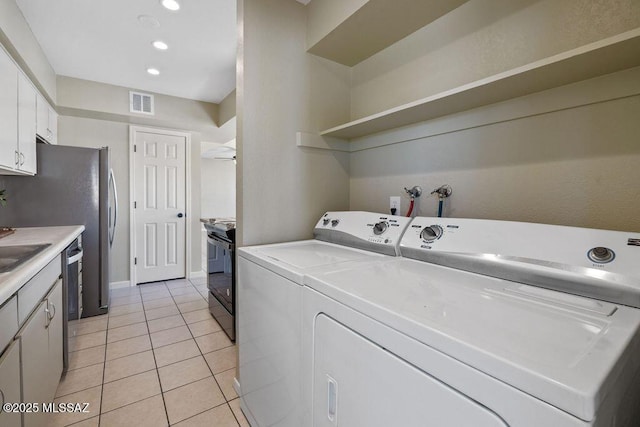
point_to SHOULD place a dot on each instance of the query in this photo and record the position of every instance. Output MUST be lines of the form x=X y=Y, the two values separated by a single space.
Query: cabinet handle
x=54 y=312
x=49 y=315
x=46 y=310
x=17 y=157
x=21 y=159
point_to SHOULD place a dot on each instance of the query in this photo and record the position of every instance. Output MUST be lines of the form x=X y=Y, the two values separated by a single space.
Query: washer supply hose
x=410 y=207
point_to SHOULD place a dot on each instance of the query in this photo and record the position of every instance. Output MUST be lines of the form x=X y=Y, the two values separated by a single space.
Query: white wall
x=564 y=156
x=17 y=38
x=283 y=189
x=217 y=188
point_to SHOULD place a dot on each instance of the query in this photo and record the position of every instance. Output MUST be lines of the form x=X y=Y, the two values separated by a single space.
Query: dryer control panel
x=364 y=230
x=601 y=264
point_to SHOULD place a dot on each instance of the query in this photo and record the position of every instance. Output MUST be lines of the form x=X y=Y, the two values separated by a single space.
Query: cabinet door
x=53 y=126
x=26 y=125
x=34 y=351
x=10 y=384
x=54 y=302
x=42 y=117
x=8 y=111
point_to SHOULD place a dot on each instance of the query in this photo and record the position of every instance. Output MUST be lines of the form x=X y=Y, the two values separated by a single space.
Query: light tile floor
x=157 y=359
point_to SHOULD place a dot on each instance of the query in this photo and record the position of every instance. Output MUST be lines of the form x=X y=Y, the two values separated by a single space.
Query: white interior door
x=160 y=224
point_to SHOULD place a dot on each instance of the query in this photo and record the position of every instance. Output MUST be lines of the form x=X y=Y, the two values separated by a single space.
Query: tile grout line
x=201 y=354
x=226 y=401
x=164 y=404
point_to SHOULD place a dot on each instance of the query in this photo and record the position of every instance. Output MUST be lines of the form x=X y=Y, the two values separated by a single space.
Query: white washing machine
x=270 y=306
x=479 y=323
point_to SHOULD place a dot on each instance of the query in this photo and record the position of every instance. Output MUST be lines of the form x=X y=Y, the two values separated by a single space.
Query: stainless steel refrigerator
x=73 y=186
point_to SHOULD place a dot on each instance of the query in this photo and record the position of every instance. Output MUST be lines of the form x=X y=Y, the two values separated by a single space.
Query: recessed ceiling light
x=148 y=21
x=153 y=71
x=160 y=45
x=171 y=4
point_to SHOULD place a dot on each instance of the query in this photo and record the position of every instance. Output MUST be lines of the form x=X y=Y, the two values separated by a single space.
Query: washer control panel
x=431 y=233
x=538 y=243
x=361 y=229
x=601 y=255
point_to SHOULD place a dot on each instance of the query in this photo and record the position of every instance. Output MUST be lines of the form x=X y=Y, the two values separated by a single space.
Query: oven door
x=220 y=280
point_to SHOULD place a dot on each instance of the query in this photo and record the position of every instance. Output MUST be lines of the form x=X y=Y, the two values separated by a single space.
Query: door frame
x=132 y=212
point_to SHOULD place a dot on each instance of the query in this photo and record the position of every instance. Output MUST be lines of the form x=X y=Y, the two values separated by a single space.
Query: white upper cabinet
x=47 y=121
x=17 y=120
x=8 y=112
x=26 y=125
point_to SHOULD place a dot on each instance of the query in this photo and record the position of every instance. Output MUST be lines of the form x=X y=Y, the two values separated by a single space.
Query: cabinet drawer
x=8 y=322
x=34 y=291
x=10 y=384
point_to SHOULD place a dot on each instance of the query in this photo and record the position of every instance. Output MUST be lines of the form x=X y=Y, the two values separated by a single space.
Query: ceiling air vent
x=140 y=103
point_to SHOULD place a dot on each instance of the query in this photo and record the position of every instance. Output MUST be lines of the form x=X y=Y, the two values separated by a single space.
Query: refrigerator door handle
x=112 y=185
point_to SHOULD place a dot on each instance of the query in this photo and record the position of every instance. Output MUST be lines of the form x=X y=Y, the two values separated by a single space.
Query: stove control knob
x=601 y=255
x=380 y=227
x=431 y=233
x=325 y=221
x=335 y=222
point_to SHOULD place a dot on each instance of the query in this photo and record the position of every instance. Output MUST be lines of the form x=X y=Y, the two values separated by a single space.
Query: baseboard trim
x=118 y=285
x=197 y=275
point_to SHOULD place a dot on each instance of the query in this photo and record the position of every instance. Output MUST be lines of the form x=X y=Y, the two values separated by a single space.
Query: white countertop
x=58 y=237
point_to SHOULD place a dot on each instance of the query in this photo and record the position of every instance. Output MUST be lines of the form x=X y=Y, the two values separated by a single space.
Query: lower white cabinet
x=10 y=384
x=41 y=354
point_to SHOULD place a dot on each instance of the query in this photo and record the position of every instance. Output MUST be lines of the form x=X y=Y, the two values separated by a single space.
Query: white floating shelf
x=606 y=56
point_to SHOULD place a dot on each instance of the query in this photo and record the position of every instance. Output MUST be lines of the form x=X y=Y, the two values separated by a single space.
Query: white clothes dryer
x=480 y=323
x=270 y=306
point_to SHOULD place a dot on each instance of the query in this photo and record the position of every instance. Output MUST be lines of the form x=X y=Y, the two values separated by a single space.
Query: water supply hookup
x=443 y=192
x=413 y=192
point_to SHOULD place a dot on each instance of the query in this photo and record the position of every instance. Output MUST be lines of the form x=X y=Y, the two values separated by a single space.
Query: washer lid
x=293 y=259
x=569 y=351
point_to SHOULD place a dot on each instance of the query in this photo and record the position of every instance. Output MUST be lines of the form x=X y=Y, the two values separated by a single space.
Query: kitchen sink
x=13 y=256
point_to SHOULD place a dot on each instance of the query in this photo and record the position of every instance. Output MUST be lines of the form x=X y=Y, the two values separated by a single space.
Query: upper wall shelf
x=595 y=59
x=377 y=25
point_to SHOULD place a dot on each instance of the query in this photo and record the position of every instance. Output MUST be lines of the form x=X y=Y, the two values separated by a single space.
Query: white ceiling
x=104 y=41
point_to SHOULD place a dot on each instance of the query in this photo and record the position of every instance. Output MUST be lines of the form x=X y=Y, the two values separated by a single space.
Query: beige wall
x=564 y=156
x=82 y=132
x=283 y=189
x=218 y=188
x=87 y=132
x=103 y=101
x=17 y=38
x=479 y=39
x=325 y=15
x=227 y=108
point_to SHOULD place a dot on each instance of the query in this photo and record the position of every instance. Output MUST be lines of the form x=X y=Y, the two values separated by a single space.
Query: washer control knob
x=335 y=222
x=325 y=221
x=601 y=255
x=380 y=227
x=431 y=233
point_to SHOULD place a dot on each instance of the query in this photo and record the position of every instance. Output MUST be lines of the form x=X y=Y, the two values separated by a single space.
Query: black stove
x=221 y=272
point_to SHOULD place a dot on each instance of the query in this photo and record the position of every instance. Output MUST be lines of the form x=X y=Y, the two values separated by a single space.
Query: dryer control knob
x=335 y=222
x=601 y=255
x=431 y=233
x=380 y=227
x=325 y=221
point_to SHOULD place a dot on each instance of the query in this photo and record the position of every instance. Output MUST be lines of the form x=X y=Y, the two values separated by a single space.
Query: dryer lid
x=570 y=352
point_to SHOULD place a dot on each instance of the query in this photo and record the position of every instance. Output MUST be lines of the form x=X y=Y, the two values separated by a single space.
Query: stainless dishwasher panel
x=71 y=292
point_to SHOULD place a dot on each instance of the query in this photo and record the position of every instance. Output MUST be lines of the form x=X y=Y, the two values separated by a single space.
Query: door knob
x=180 y=215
